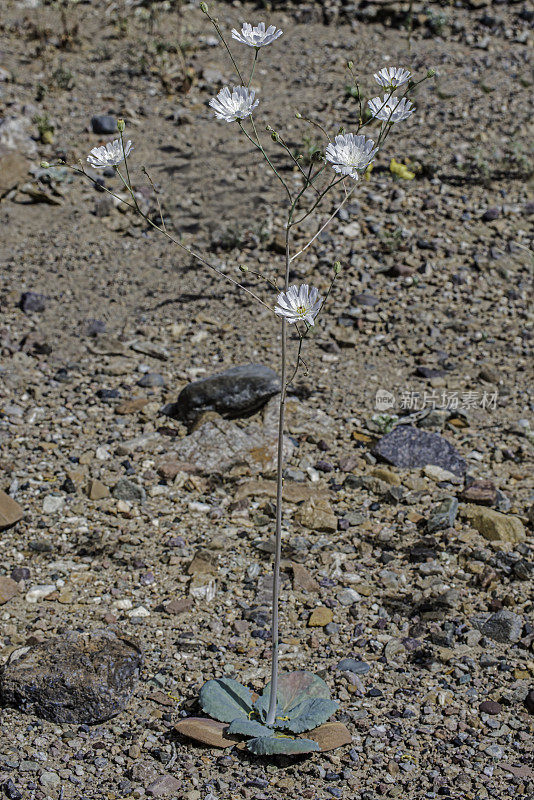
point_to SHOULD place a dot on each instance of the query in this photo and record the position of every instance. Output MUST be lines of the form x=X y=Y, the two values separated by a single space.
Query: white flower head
x=257 y=36
x=299 y=304
x=391 y=109
x=235 y=105
x=392 y=77
x=109 y=155
x=350 y=154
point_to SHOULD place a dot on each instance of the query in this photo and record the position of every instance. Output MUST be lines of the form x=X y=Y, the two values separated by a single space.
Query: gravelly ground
x=458 y=235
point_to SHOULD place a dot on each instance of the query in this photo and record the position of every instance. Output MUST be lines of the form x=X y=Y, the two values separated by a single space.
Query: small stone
x=320 y=617
x=493 y=525
x=491 y=214
x=39 y=592
x=164 y=786
x=443 y=516
x=439 y=475
x=407 y=446
x=353 y=665
x=238 y=391
x=504 y=626
x=529 y=702
x=52 y=504
x=10 y=511
x=128 y=491
x=49 y=779
x=8 y=589
x=151 y=380
x=303 y=580
x=104 y=123
x=483 y=493
x=329 y=736
x=140 y=612
x=207 y=731
x=32 y=302
x=317 y=515
x=490 y=707
x=347 y=597
x=387 y=475
x=96 y=490
x=131 y=406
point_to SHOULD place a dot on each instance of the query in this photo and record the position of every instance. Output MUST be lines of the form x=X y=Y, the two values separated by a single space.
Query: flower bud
x=298 y=115
x=204 y=8
x=350 y=64
x=275 y=137
x=430 y=73
x=243 y=268
x=120 y=125
x=45 y=165
x=337 y=267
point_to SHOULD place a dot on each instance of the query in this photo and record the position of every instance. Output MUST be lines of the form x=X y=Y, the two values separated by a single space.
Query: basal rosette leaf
x=293 y=689
x=274 y=745
x=249 y=727
x=226 y=700
x=308 y=715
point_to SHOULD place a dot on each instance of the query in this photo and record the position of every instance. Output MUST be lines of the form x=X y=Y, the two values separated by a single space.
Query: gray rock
x=32 y=302
x=151 y=380
x=164 y=786
x=407 y=446
x=73 y=678
x=353 y=665
x=128 y=490
x=236 y=392
x=443 y=516
x=504 y=626
x=104 y=123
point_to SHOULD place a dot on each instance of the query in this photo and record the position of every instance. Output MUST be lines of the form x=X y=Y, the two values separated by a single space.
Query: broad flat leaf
x=249 y=727
x=206 y=731
x=271 y=745
x=225 y=699
x=293 y=689
x=330 y=735
x=308 y=714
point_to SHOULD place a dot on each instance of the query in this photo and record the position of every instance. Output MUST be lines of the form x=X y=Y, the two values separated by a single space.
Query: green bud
x=269 y=128
x=45 y=165
x=243 y=268
x=350 y=64
x=275 y=137
x=317 y=156
x=430 y=73
x=337 y=267
x=120 y=125
x=204 y=8
x=298 y=115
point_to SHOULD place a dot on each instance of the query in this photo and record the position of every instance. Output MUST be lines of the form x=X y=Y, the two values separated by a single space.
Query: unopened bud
x=275 y=137
x=350 y=64
x=45 y=165
x=317 y=156
x=298 y=115
x=204 y=8
x=120 y=125
x=243 y=268
x=337 y=267
x=430 y=73
x=269 y=128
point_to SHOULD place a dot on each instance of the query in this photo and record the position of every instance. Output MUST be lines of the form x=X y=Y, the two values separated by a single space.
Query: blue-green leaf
x=308 y=715
x=293 y=689
x=249 y=727
x=272 y=745
x=225 y=699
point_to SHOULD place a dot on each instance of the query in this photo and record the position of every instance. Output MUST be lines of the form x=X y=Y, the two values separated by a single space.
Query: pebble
x=353 y=665
x=407 y=446
x=128 y=491
x=32 y=302
x=320 y=617
x=104 y=123
x=37 y=593
x=504 y=626
x=52 y=504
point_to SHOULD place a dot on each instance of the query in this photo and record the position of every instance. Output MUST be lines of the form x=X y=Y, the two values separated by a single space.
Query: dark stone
x=151 y=380
x=443 y=516
x=366 y=300
x=94 y=326
x=20 y=574
x=236 y=392
x=484 y=493
x=353 y=665
x=406 y=446
x=490 y=707
x=491 y=213
x=73 y=678
x=108 y=394
x=504 y=626
x=11 y=791
x=104 y=123
x=529 y=702
x=430 y=372
x=32 y=302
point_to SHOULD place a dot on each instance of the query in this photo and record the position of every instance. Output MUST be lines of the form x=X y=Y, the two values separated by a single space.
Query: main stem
x=271 y=714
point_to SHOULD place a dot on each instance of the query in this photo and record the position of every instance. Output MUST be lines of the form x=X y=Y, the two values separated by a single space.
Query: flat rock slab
x=236 y=392
x=407 y=446
x=74 y=678
x=10 y=511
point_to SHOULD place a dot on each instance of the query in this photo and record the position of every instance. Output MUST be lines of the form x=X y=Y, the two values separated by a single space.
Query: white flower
x=237 y=105
x=109 y=155
x=256 y=37
x=299 y=304
x=350 y=154
x=392 y=77
x=391 y=109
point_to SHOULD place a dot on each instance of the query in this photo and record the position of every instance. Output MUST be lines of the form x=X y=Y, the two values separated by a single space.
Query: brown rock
x=8 y=589
x=179 y=605
x=302 y=579
x=483 y=493
x=164 y=786
x=96 y=490
x=387 y=475
x=204 y=563
x=494 y=526
x=293 y=492
x=131 y=406
x=320 y=617
x=10 y=511
x=317 y=515
x=13 y=170
x=329 y=736
x=207 y=731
